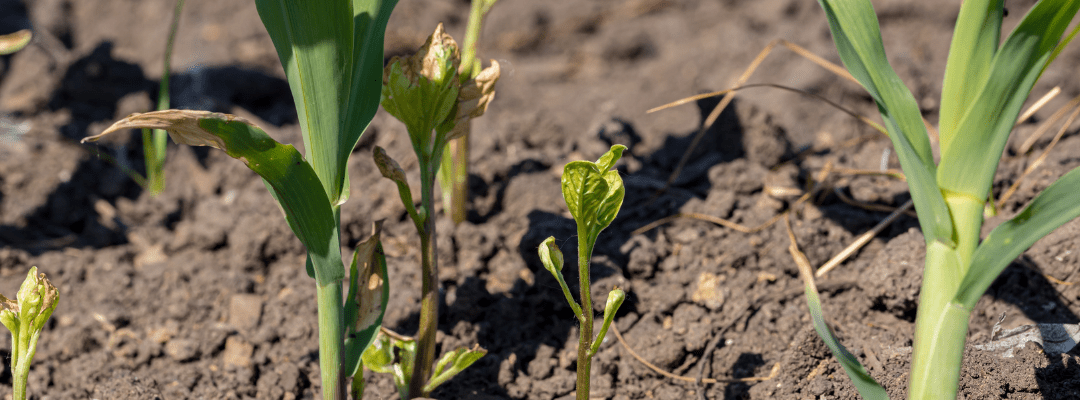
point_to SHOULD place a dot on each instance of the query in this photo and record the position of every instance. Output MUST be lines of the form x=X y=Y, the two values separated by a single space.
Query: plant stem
x=939 y=335
x=429 y=286
x=586 y=317
x=21 y=358
x=331 y=340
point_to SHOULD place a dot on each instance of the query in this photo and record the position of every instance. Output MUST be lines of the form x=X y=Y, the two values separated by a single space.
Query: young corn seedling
x=332 y=55
x=154 y=141
x=25 y=317
x=426 y=93
x=593 y=193
x=454 y=174
x=985 y=85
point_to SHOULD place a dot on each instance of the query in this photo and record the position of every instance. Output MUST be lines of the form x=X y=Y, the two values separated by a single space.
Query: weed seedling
x=25 y=317
x=426 y=93
x=332 y=53
x=593 y=193
x=986 y=83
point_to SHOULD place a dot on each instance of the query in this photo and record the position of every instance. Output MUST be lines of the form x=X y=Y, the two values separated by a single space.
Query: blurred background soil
x=201 y=293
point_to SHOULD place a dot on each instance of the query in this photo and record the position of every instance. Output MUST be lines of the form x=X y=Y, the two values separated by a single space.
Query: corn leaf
x=289 y=177
x=975 y=40
x=868 y=388
x=332 y=55
x=369 y=29
x=857 y=36
x=1050 y=209
x=968 y=164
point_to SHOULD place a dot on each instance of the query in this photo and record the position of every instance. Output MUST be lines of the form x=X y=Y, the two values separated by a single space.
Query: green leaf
x=858 y=40
x=332 y=55
x=975 y=40
x=552 y=258
x=291 y=179
x=369 y=290
x=390 y=356
x=369 y=29
x=866 y=385
x=1050 y=209
x=451 y=364
x=615 y=299
x=968 y=164
x=593 y=194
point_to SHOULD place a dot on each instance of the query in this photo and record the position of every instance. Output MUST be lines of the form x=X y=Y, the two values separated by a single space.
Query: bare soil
x=201 y=292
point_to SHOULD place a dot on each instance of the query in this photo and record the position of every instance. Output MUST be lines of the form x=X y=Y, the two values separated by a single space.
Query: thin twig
x=862 y=240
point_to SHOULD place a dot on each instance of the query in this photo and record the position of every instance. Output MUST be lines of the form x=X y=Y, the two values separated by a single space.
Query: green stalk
x=941 y=324
x=586 y=316
x=331 y=340
x=455 y=171
x=155 y=141
x=22 y=353
x=429 y=286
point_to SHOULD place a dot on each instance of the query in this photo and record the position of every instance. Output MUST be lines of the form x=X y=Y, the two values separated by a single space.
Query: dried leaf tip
x=182 y=125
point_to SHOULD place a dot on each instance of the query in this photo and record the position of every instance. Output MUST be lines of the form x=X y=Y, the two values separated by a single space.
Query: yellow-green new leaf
x=291 y=179
x=975 y=40
x=593 y=194
x=453 y=363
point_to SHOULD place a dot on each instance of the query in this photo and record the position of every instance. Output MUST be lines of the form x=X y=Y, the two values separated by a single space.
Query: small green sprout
x=986 y=83
x=25 y=317
x=155 y=140
x=454 y=174
x=593 y=193
x=426 y=93
x=333 y=72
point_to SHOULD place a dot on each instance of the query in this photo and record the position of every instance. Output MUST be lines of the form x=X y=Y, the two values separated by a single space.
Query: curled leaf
x=392 y=171
x=615 y=299
x=473 y=99
x=422 y=90
x=453 y=363
x=551 y=256
x=13 y=42
x=182 y=125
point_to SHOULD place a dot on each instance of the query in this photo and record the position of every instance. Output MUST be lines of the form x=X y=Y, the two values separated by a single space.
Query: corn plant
x=425 y=92
x=985 y=85
x=594 y=195
x=454 y=174
x=13 y=42
x=25 y=317
x=332 y=55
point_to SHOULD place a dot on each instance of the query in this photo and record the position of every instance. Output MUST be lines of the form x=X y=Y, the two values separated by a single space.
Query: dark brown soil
x=201 y=293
